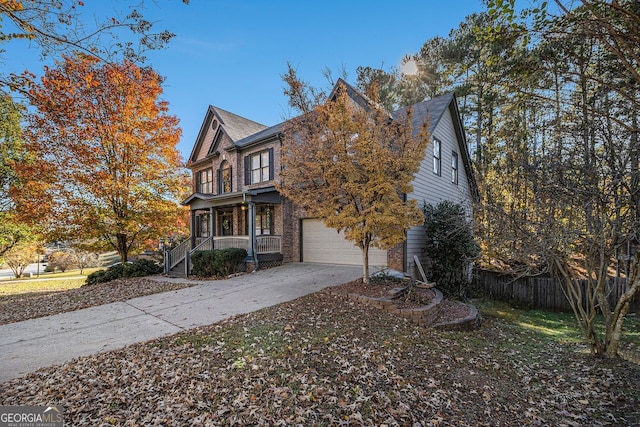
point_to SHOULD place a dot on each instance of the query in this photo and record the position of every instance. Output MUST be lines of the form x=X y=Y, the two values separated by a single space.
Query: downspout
x=192 y=230
x=252 y=256
x=192 y=241
x=212 y=224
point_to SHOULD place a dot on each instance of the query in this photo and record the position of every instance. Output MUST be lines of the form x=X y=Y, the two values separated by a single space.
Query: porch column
x=252 y=256
x=212 y=224
x=192 y=229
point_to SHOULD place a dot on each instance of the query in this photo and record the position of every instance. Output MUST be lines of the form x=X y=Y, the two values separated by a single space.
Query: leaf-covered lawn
x=325 y=360
x=45 y=300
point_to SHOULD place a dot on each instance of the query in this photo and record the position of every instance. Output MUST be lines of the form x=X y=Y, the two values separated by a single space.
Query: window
x=204 y=181
x=436 y=156
x=264 y=218
x=224 y=178
x=454 y=168
x=258 y=167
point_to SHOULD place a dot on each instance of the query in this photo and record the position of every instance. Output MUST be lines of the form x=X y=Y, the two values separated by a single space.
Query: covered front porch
x=249 y=220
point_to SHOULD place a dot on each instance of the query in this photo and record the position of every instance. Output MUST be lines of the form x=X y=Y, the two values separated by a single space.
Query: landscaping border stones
x=426 y=315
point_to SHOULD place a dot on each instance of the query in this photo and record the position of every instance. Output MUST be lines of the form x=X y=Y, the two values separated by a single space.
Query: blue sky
x=232 y=54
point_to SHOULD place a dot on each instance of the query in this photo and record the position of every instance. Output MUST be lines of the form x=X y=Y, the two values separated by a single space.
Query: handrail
x=177 y=254
x=205 y=245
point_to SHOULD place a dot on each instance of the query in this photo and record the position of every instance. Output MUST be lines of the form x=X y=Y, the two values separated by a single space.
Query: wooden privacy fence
x=540 y=292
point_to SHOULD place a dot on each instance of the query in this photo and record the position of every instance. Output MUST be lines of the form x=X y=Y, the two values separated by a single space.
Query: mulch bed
x=376 y=288
x=418 y=297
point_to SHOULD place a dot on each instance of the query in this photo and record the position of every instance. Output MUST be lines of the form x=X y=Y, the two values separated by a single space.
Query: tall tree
x=351 y=165
x=105 y=160
x=583 y=183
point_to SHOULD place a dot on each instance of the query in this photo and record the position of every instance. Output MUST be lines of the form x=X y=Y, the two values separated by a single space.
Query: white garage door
x=324 y=245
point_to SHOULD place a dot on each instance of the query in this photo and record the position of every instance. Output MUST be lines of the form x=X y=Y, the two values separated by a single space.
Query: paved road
x=32 y=344
x=7 y=273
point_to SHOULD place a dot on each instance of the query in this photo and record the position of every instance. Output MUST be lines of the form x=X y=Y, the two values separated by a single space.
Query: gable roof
x=244 y=132
x=359 y=98
x=237 y=127
x=234 y=126
x=433 y=110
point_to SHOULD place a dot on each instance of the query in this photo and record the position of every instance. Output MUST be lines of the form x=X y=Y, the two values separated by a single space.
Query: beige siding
x=206 y=143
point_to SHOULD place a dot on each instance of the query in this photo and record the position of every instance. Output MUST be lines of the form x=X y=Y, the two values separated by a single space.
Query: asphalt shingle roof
x=245 y=132
x=431 y=109
x=237 y=127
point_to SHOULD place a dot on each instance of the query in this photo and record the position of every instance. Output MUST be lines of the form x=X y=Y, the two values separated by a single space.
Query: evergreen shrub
x=140 y=268
x=218 y=262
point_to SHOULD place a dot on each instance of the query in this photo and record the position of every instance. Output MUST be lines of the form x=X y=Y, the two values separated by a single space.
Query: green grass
x=560 y=327
x=17 y=287
x=59 y=275
x=47 y=282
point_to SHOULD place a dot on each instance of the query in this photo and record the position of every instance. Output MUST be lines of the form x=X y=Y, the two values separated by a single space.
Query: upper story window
x=258 y=167
x=204 y=181
x=454 y=168
x=437 y=158
x=224 y=178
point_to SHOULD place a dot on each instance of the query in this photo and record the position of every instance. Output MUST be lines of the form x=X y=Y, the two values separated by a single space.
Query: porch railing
x=176 y=255
x=203 y=244
x=268 y=244
x=226 y=242
x=264 y=245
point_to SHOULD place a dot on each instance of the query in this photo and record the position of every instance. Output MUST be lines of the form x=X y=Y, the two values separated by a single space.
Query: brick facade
x=395 y=257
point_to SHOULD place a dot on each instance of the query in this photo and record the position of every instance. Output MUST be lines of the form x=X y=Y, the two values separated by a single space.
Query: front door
x=225 y=223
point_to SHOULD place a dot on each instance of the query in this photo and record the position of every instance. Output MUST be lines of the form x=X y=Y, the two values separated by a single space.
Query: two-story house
x=235 y=164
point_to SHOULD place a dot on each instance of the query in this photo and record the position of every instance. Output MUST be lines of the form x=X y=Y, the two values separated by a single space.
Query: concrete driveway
x=32 y=344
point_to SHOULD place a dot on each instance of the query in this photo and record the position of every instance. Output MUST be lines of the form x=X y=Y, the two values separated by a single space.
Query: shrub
x=450 y=247
x=140 y=268
x=217 y=263
x=202 y=263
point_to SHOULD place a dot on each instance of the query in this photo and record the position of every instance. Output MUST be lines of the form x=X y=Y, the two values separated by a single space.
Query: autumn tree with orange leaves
x=351 y=165
x=105 y=162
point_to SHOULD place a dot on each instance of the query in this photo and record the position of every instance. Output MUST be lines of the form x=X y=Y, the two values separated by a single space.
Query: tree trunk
x=365 y=264
x=122 y=247
x=622 y=309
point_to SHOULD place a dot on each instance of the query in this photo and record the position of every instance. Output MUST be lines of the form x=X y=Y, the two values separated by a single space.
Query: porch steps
x=178 y=270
